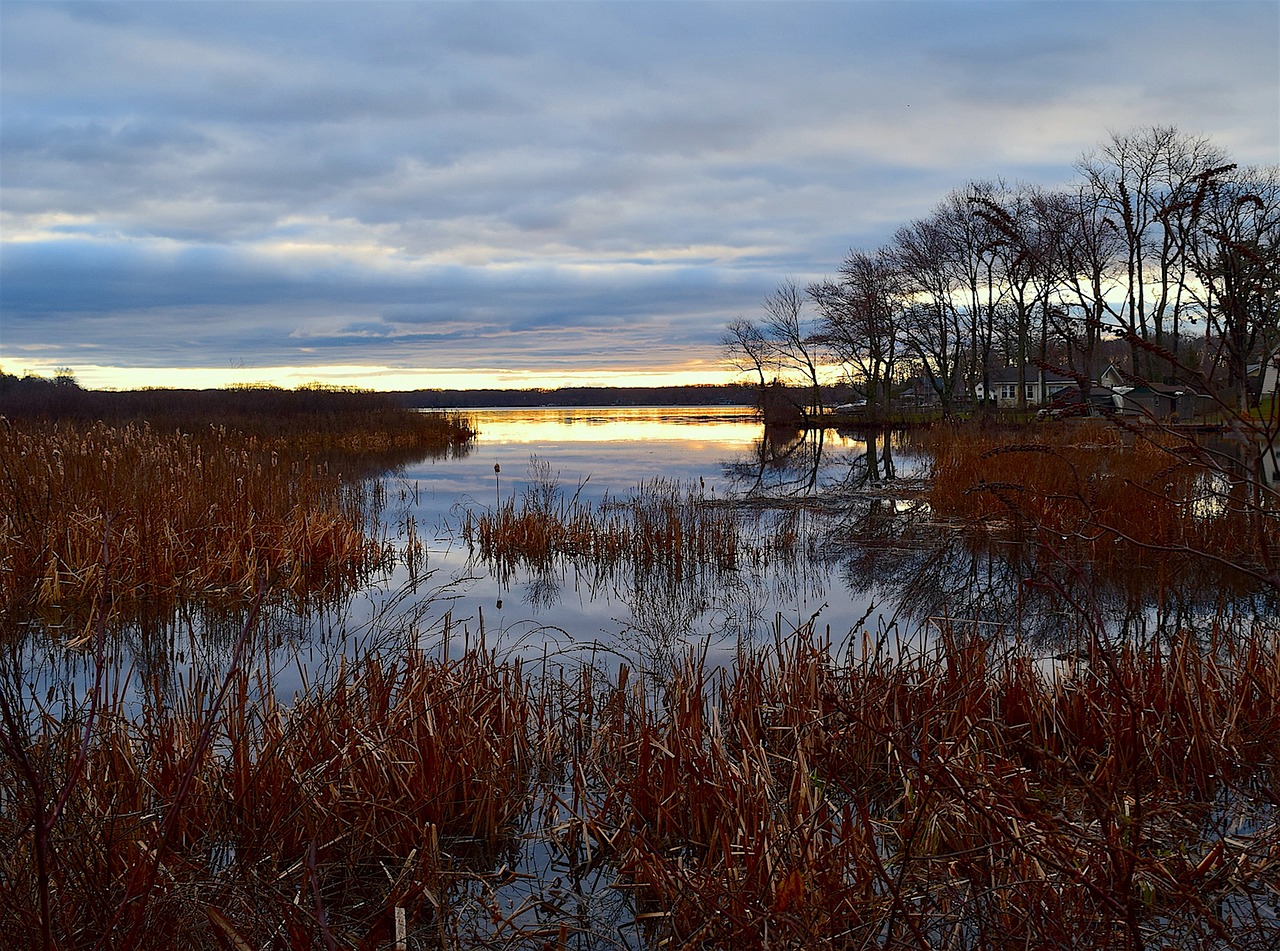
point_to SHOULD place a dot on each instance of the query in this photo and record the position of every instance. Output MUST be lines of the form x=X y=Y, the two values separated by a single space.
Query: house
x=1113 y=377
x=1161 y=401
x=918 y=391
x=1004 y=386
x=1098 y=401
x=1270 y=370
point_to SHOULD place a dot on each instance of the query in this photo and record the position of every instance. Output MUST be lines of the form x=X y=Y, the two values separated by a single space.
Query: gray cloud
x=536 y=184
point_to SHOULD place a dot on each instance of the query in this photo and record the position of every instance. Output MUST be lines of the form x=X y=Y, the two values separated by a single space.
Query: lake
x=607 y=455
x=789 y=494
x=597 y=760
x=834 y=529
x=833 y=534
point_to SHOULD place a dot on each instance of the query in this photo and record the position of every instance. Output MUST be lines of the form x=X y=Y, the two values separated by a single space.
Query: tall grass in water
x=252 y=823
x=179 y=517
x=200 y=511
x=948 y=797
x=949 y=800
x=661 y=526
x=1099 y=496
x=314 y=417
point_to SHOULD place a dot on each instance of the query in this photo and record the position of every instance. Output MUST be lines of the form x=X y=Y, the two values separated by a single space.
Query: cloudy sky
x=450 y=194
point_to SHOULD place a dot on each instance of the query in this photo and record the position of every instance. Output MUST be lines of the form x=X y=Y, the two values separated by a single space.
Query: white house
x=1113 y=377
x=1270 y=370
x=1004 y=386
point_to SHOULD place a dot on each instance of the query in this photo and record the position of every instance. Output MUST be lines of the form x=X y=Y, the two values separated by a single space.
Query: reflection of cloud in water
x=834 y=523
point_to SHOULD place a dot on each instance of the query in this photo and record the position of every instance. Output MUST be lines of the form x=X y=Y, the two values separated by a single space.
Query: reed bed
x=662 y=526
x=1105 y=497
x=953 y=796
x=950 y=800
x=251 y=823
x=143 y=517
x=314 y=417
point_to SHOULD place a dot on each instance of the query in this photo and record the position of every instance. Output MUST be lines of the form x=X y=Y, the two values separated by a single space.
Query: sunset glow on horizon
x=514 y=195
x=95 y=377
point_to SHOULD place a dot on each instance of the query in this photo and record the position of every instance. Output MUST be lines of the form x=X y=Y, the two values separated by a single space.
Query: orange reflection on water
x=727 y=426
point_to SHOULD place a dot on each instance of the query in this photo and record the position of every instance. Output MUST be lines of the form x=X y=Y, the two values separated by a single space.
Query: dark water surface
x=608 y=455
x=834 y=533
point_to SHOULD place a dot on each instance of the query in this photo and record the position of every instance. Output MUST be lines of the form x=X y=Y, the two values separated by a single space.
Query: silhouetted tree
x=860 y=320
x=933 y=327
x=1145 y=181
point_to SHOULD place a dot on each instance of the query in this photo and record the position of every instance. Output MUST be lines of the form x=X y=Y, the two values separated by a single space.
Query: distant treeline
x=63 y=398
x=732 y=394
x=363 y=431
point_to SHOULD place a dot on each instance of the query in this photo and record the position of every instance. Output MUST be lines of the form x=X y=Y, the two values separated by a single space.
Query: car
x=856 y=406
x=1066 y=404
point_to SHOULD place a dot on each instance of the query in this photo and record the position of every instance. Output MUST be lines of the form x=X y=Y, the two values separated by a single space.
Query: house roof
x=1010 y=375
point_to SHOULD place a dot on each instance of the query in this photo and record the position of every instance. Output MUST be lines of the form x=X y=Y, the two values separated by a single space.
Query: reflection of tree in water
x=876 y=532
x=928 y=574
x=785 y=461
x=717 y=607
x=872 y=465
x=667 y=611
x=924 y=571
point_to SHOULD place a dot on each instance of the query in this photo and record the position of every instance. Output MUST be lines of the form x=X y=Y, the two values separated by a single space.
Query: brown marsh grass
x=252 y=823
x=955 y=796
x=662 y=526
x=958 y=795
x=142 y=518
x=314 y=417
x=947 y=799
x=1100 y=495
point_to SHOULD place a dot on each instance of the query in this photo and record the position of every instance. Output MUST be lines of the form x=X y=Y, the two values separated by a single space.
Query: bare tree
x=747 y=349
x=1145 y=181
x=795 y=345
x=1083 y=248
x=860 y=320
x=972 y=252
x=933 y=327
x=1234 y=253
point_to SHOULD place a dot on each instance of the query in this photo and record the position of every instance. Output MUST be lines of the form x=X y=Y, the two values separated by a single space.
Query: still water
x=835 y=531
x=608 y=455
x=796 y=500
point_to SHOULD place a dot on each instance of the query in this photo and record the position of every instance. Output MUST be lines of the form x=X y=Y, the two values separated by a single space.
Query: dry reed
x=371 y=793
x=1099 y=496
x=956 y=796
x=201 y=515
x=662 y=526
x=947 y=800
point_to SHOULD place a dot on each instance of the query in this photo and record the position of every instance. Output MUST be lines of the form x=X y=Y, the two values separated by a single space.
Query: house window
x=1008 y=391
x=1031 y=391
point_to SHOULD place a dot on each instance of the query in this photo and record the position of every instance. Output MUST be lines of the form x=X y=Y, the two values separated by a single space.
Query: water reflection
x=708 y=426
x=833 y=525
x=788 y=492
x=882 y=546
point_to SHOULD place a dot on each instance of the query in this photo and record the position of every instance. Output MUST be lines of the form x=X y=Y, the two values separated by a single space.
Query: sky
x=408 y=195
